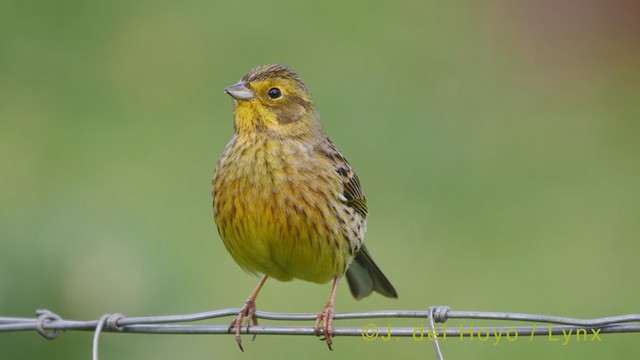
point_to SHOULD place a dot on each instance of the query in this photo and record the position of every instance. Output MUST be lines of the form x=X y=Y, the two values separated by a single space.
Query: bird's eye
x=275 y=93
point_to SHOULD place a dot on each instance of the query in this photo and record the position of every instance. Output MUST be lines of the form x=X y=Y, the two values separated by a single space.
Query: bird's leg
x=248 y=311
x=326 y=316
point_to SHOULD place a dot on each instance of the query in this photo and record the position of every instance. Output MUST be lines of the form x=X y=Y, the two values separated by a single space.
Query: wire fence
x=49 y=324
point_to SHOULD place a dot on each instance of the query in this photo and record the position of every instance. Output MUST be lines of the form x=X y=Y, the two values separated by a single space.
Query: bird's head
x=272 y=99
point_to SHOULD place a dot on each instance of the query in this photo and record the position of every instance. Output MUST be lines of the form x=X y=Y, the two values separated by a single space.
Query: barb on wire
x=48 y=324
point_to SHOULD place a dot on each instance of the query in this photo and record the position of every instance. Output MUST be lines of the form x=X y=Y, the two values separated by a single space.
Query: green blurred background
x=497 y=143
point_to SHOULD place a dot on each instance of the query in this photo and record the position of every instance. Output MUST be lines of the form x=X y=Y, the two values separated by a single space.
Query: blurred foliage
x=497 y=143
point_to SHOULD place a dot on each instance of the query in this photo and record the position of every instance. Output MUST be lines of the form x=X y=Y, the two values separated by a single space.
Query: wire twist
x=437 y=314
x=46 y=316
x=109 y=321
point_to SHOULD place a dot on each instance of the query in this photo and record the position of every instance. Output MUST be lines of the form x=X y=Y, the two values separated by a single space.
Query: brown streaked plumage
x=286 y=202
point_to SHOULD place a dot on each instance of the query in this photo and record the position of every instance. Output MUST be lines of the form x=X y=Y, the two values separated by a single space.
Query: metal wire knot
x=46 y=316
x=439 y=313
x=110 y=322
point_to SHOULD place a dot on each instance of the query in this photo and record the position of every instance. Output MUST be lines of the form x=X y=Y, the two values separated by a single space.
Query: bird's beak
x=240 y=91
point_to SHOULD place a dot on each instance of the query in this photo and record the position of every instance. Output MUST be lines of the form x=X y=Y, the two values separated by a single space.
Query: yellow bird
x=286 y=202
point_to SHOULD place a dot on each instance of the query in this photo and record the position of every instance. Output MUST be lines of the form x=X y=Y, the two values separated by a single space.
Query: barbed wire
x=49 y=324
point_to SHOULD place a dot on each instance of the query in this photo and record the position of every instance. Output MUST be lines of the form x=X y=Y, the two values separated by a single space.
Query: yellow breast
x=278 y=208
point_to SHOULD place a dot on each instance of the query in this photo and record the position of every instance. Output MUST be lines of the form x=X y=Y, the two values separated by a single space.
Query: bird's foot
x=248 y=312
x=326 y=319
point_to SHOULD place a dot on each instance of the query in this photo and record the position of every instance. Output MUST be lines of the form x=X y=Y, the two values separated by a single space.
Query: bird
x=286 y=203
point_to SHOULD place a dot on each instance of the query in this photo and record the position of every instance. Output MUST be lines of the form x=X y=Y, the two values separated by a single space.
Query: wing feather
x=352 y=190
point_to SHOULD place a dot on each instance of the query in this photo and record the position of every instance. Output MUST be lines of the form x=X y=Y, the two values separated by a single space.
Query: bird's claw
x=326 y=318
x=248 y=311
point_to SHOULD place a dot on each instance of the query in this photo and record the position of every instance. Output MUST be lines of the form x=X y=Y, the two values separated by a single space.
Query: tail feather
x=365 y=277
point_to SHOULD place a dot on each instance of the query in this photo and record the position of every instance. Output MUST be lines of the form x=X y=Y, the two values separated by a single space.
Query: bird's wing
x=363 y=275
x=352 y=190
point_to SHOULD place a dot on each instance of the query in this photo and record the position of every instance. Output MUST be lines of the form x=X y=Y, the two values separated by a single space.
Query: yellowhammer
x=286 y=202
